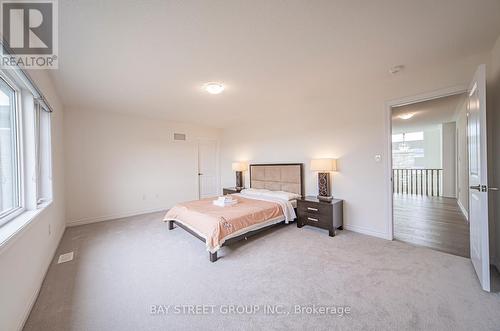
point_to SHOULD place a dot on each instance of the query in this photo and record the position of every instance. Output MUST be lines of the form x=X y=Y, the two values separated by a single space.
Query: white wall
x=449 y=159
x=462 y=159
x=119 y=165
x=349 y=123
x=27 y=256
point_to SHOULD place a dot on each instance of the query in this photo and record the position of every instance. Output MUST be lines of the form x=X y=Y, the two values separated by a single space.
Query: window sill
x=12 y=229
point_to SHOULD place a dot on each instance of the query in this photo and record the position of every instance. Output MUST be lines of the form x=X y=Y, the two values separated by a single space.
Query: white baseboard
x=34 y=296
x=89 y=220
x=367 y=231
x=464 y=211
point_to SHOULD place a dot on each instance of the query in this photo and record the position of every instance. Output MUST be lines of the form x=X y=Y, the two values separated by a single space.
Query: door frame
x=217 y=163
x=436 y=94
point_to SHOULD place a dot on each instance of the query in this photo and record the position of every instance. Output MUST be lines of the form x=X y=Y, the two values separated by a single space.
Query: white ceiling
x=426 y=114
x=152 y=57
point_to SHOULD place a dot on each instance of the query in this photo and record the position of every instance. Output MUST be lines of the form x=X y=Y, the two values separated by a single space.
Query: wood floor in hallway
x=434 y=222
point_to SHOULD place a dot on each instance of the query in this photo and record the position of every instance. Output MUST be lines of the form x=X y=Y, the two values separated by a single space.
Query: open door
x=478 y=177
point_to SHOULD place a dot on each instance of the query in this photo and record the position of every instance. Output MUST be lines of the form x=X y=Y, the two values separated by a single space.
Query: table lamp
x=324 y=166
x=239 y=167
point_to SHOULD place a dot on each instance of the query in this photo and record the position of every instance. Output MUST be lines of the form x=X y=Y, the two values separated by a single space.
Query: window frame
x=43 y=138
x=10 y=214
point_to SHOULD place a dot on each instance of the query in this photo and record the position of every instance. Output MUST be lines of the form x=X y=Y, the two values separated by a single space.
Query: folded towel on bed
x=225 y=201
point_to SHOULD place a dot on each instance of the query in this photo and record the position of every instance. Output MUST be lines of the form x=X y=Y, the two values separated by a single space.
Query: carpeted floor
x=124 y=269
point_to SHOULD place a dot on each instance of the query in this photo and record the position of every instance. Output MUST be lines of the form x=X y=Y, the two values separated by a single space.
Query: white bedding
x=269 y=193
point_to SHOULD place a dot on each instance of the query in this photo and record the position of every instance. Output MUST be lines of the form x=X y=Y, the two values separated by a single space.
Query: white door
x=478 y=178
x=207 y=168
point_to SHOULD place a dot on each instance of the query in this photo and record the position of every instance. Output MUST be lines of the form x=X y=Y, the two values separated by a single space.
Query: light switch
x=378 y=158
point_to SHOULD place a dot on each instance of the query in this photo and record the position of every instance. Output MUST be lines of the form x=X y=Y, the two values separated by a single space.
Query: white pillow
x=254 y=191
x=281 y=195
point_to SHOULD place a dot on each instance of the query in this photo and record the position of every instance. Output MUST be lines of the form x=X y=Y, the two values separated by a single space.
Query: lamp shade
x=324 y=165
x=239 y=166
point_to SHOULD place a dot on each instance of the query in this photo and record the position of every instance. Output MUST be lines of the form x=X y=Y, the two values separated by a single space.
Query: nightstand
x=324 y=215
x=231 y=190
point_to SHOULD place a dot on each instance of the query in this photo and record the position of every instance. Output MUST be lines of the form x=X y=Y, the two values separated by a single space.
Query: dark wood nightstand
x=231 y=190
x=324 y=215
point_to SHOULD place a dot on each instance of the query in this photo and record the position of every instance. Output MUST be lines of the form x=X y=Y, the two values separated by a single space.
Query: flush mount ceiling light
x=394 y=70
x=406 y=116
x=214 y=88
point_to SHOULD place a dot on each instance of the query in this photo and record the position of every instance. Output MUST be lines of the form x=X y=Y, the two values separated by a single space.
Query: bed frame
x=276 y=176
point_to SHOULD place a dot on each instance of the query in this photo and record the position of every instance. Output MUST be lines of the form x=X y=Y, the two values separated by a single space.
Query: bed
x=270 y=200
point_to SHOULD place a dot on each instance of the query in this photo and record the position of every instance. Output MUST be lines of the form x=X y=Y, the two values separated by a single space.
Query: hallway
x=434 y=222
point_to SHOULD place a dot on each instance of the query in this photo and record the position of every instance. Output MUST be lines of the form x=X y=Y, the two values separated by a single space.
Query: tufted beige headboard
x=277 y=177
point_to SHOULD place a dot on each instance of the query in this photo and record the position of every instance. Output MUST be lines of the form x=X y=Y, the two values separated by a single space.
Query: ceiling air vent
x=179 y=136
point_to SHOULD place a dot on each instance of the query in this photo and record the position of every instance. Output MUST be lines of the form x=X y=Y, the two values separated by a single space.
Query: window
x=410 y=136
x=408 y=150
x=25 y=149
x=9 y=154
x=42 y=153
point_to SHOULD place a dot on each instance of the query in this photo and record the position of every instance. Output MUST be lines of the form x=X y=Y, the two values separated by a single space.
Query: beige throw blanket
x=216 y=224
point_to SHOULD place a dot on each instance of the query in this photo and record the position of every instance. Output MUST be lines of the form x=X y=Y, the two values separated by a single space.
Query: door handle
x=200 y=174
x=483 y=188
x=476 y=187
